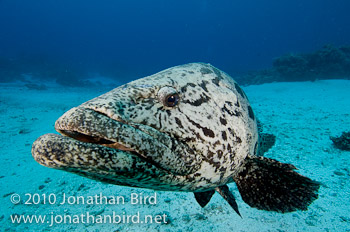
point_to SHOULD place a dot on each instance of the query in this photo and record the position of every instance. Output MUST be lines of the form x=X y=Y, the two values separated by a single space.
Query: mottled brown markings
x=148 y=100
x=198 y=136
x=232 y=158
x=178 y=122
x=120 y=108
x=172 y=81
x=206 y=131
x=203 y=99
x=168 y=112
x=149 y=107
x=210 y=154
x=251 y=113
x=237 y=103
x=203 y=85
x=194 y=132
x=222 y=172
x=235 y=113
x=228 y=103
x=240 y=91
x=216 y=81
x=184 y=88
x=205 y=71
x=223 y=121
x=220 y=153
x=218 y=73
x=229 y=148
x=160 y=120
x=232 y=132
x=217 y=142
x=224 y=136
x=215 y=164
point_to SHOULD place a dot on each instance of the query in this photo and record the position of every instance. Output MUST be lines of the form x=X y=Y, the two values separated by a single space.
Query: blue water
x=48 y=46
x=137 y=38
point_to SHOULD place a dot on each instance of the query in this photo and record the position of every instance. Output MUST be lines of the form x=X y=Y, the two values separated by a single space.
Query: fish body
x=188 y=128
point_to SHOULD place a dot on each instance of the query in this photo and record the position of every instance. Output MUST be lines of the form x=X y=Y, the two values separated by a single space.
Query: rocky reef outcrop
x=327 y=63
x=342 y=142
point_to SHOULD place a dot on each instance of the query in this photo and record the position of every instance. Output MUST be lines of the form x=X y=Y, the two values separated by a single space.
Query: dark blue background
x=142 y=37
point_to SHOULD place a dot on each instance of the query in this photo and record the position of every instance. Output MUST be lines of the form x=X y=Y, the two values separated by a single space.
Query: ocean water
x=55 y=55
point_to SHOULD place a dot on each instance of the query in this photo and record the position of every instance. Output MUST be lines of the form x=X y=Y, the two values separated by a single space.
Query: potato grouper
x=188 y=128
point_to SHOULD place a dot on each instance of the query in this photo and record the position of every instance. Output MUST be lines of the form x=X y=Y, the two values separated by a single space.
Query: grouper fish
x=188 y=128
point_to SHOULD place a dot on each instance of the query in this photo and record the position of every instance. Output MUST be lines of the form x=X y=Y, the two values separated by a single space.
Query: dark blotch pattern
x=240 y=91
x=230 y=112
x=204 y=86
x=251 y=113
x=223 y=121
x=184 y=88
x=203 y=99
x=178 y=122
x=205 y=71
x=224 y=136
x=206 y=131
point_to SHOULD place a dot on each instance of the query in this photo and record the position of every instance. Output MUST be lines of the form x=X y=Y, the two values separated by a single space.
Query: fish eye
x=168 y=96
x=172 y=100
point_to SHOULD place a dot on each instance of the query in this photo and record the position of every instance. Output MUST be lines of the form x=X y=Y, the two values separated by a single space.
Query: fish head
x=187 y=128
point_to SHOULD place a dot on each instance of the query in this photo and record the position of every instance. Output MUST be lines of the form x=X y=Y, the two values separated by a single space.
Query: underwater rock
x=342 y=142
x=24 y=131
x=327 y=63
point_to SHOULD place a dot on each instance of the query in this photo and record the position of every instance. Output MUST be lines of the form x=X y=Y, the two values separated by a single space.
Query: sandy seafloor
x=302 y=116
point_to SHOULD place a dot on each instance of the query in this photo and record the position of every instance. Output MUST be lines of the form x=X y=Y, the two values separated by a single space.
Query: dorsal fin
x=203 y=198
x=224 y=191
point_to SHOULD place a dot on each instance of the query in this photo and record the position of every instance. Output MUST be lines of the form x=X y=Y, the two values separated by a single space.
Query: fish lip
x=103 y=141
x=83 y=133
x=84 y=138
x=90 y=160
x=159 y=149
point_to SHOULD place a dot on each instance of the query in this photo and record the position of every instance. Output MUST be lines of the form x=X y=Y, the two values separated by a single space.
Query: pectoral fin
x=228 y=196
x=203 y=198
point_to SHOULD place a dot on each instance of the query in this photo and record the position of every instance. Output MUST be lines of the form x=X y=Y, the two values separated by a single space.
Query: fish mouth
x=95 y=140
x=87 y=136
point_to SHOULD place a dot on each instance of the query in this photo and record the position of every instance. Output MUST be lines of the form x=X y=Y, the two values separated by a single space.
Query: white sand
x=301 y=115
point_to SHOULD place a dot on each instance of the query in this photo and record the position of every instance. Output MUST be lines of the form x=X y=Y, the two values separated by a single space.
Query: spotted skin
x=198 y=144
x=198 y=140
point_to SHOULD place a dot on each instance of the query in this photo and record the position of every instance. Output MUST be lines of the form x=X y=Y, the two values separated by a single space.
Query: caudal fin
x=274 y=186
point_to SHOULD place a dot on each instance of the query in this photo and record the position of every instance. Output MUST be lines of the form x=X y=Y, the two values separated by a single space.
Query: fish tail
x=270 y=185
